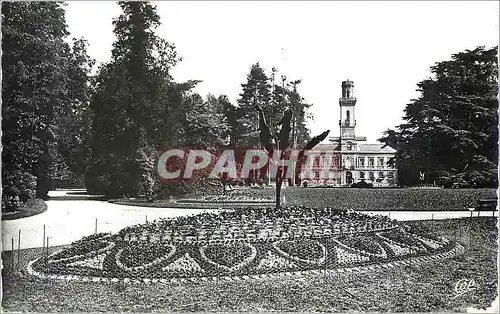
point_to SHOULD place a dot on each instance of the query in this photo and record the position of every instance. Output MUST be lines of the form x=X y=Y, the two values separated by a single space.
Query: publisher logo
x=464 y=286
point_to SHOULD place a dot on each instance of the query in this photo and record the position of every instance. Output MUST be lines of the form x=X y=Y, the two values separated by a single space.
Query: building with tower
x=348 y=158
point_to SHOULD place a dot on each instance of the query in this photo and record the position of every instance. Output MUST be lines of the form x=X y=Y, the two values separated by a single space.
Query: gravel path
x=70 y=217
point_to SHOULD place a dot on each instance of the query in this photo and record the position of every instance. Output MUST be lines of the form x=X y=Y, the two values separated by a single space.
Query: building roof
x=326 y=147
x=375 y=148
x=362 y=148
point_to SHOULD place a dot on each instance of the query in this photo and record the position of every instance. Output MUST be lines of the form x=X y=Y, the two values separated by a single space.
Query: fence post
x=19 y=250
x=12 y=257
x=95 y=225
x=460 y=229
x=47 y=250
x=43 y=247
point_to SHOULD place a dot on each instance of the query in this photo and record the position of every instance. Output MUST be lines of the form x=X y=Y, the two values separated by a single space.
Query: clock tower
x=347 y=122
x=347 y=104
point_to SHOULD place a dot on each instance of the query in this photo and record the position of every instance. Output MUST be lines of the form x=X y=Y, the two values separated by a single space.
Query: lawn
x=352 y=198
x=415 y=288
x=381 y=199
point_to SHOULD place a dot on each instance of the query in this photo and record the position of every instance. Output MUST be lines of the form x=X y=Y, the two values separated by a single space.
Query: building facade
x=348 y=159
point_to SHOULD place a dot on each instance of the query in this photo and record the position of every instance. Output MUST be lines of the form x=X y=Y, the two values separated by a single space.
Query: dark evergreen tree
x=135 y=103
x=231 y=114
x=450 y=133
x=256 y=92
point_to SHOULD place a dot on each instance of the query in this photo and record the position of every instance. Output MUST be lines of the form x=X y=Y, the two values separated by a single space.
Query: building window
x=380 y=162
x=390 y=175
x=316 y=175
x=371 y=162
x=349 y=146
x=361 y=175
x=335 y=161
x=380 y=174
x=361 y=161
x=317 y=161
x=347 y=117
x=372 y=176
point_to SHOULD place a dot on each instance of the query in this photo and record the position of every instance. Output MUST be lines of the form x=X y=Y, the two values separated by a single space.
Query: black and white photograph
x=250 y=156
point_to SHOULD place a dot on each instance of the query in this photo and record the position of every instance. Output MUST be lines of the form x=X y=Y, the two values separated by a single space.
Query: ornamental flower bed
x=233 y=197
x=362 y=243
x=244 y=242
x=400 y=236
x=310 y=252
x=228 y=257
x=78 y=249
x=141 y=255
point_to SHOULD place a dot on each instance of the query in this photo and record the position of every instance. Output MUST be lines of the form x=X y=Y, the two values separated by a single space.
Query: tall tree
x=39 y=83
x=256 y=92
x=300 y=132
x=71 y=126
x=231 y=114
x=203 y=123
x=134 y=101
x=450 y=133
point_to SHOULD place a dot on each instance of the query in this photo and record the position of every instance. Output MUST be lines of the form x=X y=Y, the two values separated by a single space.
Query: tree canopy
x=44 y=85
x=450 y=132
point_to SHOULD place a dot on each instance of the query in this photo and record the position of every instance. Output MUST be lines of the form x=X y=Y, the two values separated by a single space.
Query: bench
x=487 y=204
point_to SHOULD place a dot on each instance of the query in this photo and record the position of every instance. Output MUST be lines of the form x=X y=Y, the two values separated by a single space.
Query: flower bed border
x=110 y=246
x=457 y=249
x=361 y=252
x=420 y=248
x=318 y=261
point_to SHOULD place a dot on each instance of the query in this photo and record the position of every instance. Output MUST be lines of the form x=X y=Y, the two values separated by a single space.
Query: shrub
x=18 y=187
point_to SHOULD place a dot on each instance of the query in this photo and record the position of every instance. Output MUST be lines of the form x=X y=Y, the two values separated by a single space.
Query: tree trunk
x=279 y=181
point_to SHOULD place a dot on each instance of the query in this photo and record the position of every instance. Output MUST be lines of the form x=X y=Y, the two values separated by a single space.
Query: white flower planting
x=345 y=257
x=94 y=262
x=397 y=249
x=317 y=261
x=78 y=257
x=430 y=243
x=272 y=261
x=347 y=248
x=185 y=264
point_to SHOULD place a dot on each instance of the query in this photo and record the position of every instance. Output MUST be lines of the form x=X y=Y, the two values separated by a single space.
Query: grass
x=30 y=208
x=416 y=288
x=352 y=198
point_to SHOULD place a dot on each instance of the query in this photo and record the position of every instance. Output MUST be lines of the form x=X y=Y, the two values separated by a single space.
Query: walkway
x=70 y=217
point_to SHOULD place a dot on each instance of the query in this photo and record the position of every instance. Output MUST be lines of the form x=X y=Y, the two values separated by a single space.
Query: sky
x=386 y=48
